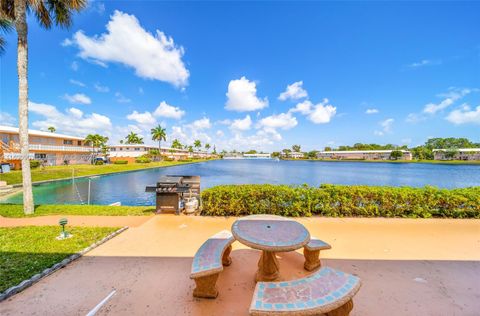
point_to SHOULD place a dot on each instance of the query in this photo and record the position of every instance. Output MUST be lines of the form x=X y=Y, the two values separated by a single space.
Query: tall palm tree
x=207 y=146
x=197 y=144
x=96 y=141
x=159 y=134
x=133 y=138
x=176 y=144
x=47 y=12
x=52 y=129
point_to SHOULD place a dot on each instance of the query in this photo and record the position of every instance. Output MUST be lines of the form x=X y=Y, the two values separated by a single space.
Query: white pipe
x=99 y=305
x=89 y=181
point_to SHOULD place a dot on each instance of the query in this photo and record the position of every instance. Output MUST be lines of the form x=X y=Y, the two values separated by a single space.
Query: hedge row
x=341 y=201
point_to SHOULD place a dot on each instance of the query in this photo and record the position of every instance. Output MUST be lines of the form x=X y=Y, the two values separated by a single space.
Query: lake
x=129 y=188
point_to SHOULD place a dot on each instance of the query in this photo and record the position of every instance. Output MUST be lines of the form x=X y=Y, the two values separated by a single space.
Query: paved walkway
x=76 y=220
x=408 y=267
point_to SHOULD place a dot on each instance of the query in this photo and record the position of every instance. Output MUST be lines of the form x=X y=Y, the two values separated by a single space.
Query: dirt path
x=76 y=220
x=408 y=267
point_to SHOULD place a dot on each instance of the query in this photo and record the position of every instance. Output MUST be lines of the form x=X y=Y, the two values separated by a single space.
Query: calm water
x=129 y=188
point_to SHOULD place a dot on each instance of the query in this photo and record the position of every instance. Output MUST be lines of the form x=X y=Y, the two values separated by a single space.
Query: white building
x=130 y=152
x=257 y=156
x=362 y=154
x=458 y=154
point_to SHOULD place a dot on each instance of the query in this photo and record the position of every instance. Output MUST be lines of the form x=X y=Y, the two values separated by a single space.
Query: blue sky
x=376 y=72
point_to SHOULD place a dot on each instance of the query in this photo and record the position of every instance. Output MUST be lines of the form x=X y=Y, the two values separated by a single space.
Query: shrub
x=341 y=201
x=34 y=164
x=143 y=159
x=168 y=159
x=99 y=162
x=120 y=162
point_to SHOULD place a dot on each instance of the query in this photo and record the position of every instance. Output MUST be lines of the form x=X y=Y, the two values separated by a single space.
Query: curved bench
x=326 y=292
x=311 y=251
x=208 y=263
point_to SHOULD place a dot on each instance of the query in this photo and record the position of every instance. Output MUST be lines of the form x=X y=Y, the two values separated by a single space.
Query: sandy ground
x=408 y=267
x=76 y=220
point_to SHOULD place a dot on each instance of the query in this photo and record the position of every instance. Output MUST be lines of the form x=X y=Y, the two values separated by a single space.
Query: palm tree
x=296 y=148
x=207 y=146
x=159 y=134
x=96 y=141
x=52 y=129
x=197 y=144
x=5 y=26
x=47 y=12
x=176 y=144
x=133 y=138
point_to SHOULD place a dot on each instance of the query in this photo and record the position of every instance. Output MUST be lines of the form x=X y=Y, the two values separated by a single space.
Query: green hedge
x=341 y=201
x=143 y=160
x=120 y=162
x=34 y=164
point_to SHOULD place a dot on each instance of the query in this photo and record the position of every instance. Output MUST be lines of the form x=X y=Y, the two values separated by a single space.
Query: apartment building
x=362 y=154
x=458 y=154
x=49 y=148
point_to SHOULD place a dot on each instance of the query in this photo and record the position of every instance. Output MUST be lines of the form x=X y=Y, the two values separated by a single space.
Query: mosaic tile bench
x=208 y=263
x=311 y=251
x=325 y=292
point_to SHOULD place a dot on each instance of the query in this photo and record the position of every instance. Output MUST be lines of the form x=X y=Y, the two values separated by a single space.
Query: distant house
x=292 y=155
x=362 y=154
x=257 y=156
x=457 y=154
x=49 y=148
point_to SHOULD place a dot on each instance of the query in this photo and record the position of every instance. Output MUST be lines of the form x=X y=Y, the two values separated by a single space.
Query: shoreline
x=433 y=162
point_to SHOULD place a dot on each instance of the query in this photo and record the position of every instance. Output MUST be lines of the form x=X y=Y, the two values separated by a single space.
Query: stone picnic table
x=270 y=234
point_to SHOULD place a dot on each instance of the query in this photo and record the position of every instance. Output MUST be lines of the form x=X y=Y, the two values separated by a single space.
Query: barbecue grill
x=173 y=191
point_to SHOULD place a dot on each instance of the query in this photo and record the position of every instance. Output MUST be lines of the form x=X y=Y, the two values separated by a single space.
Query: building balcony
x=40 y=147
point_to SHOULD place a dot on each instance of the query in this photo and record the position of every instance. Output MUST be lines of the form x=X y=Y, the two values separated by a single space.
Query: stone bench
x=311 y=251
x=326 y=292
x=208 y=263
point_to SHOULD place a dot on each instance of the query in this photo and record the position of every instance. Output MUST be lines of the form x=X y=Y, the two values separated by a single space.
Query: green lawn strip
x=16 y=210
x=26 y=251
x=65 y=172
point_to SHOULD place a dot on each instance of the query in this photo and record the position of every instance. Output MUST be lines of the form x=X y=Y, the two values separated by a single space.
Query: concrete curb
x=37 y=277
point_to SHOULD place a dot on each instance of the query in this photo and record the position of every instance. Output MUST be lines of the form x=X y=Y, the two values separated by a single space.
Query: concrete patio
x=408 y=267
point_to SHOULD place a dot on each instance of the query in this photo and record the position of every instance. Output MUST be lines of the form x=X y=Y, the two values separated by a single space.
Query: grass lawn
x=16 y=210
x=62 y=172
x=26 y=251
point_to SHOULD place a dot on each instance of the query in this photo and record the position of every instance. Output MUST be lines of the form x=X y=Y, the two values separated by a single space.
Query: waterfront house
x=362 y=154
x=457 y=154
x=257 y=156
x=292 y=155
x=49 y=148
x=130 y=152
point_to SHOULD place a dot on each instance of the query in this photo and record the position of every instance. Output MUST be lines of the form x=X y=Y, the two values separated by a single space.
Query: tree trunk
x=22 y=69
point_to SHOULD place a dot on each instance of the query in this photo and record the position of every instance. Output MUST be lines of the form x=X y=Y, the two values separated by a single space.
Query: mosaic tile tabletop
x=270 y=234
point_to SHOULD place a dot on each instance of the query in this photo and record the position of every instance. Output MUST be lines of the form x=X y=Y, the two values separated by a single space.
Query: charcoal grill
x=172 y=190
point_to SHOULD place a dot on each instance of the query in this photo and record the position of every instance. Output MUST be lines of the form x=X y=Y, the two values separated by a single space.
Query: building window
x=79 y=143
x=68 y=142
x=137 y=149
x=112 y=149
x=40 y=156
x=121 y=148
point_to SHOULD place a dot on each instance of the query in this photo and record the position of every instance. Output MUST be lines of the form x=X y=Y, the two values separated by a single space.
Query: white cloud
x=415 y=118
x=424 y=62
x=101 y=88
x=144 y=119
x=450 y=97
x=78 y=98
x=203 y=123
x=73 y=121
x=320 y=113
x=283 y=121
x=152 y=56
x=371 y=111
x=464 y=115
x=77 y=83
x=169 y=111
x=386 y=127
x=242 y=96
x=121 y=98
x=304 y=107
x=7 y=119
x=74 y=66
x=294 y=91
x=242 y=124
x=220 y=133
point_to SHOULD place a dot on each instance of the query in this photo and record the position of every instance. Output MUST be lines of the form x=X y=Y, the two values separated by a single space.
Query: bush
x=341 y=201
x=143 y=160
x=168 y=159
x=99 y=162
x=34 y=164
x=120 y=162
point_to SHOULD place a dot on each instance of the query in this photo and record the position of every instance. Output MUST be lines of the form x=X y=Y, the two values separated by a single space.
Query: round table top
x=270 y=233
